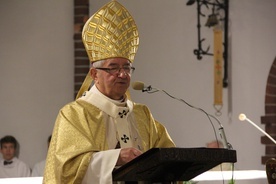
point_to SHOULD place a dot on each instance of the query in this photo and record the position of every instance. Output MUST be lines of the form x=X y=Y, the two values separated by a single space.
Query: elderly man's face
x=113 y=86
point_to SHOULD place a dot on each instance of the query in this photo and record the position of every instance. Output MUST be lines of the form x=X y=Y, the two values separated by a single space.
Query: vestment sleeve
x=71 y=147
x=154 y=134
x=101 y=165
x=164 y=139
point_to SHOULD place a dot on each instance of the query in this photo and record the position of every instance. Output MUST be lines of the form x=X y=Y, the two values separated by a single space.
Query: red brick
x=270 y=89
x=81 y=3
x=80 y=53
x=265 y=158
x=77 y=36
x=81 y=70
x=79 y=45
x=265 y=140
x=82 y=62
x=268 y=119
x=80 y=78
x=270 y=109
x=269 y=150
x=79 y=19
x=77 y=87
x=270 y=129
x=269 y=99
x=81 y=10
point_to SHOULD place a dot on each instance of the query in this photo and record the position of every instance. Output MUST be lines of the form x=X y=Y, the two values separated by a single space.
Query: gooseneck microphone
x=242 y=117
x=138 y=85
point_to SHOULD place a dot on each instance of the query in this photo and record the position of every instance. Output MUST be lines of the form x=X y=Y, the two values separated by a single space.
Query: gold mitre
x=110 y=32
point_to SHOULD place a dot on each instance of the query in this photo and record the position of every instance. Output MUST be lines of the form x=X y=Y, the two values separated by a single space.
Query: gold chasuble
x=81 y=130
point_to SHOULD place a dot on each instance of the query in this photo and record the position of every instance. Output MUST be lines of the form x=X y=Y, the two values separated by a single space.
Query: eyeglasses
x=117 y=70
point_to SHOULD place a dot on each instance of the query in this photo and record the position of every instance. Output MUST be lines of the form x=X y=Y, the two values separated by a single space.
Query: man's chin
x=8 y=158
x=122 y=87
x=121 y=93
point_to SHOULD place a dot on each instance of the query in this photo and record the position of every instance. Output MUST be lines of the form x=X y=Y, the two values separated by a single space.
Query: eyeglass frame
x=117 y=70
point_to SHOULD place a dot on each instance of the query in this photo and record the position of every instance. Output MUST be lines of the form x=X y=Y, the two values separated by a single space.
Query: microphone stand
x=226 y=144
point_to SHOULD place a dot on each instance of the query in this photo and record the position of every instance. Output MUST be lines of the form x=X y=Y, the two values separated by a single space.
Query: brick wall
x=269 y=120
x=81 y=14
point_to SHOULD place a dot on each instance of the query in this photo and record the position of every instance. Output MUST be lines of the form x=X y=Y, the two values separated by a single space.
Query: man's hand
x=127 y=154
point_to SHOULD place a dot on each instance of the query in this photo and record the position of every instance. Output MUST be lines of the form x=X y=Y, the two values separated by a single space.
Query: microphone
x=138 y=85
x=242 y=117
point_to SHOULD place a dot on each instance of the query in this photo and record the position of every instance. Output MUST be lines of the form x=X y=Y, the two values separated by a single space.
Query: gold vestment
x=80 y=131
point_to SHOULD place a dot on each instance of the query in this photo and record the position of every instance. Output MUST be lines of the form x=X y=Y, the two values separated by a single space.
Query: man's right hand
x=127 y=154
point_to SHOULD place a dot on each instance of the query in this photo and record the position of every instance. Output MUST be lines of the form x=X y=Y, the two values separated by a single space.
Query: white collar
x=114 y=108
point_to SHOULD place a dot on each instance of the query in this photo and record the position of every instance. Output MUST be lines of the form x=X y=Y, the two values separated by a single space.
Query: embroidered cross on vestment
x=123 y=113
x=125 y=138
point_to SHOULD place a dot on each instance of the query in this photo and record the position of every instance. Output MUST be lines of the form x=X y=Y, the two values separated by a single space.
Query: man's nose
x=122 y=73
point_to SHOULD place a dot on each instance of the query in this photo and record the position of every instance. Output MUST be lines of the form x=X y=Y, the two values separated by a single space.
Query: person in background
x=39 y=167
x=10 y=165
x=214 y=144
x=223 y=166
x=103 y=129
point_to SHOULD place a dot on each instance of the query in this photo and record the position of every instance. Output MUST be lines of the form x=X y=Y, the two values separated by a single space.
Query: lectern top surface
x=173 y=164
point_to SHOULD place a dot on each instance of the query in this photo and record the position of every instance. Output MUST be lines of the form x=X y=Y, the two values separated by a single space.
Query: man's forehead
x=117 y=61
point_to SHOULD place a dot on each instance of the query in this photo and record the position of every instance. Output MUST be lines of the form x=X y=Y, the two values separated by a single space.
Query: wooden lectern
x=173 y=164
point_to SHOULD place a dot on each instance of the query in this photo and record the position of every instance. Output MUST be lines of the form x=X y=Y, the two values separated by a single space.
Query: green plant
x=232 y=181
x=189 y=182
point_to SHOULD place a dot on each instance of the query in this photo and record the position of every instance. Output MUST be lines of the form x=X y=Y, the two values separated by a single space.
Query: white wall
x=37 y=70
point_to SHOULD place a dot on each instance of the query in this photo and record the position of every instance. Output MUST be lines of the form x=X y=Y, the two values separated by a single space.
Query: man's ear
x=93 y=73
